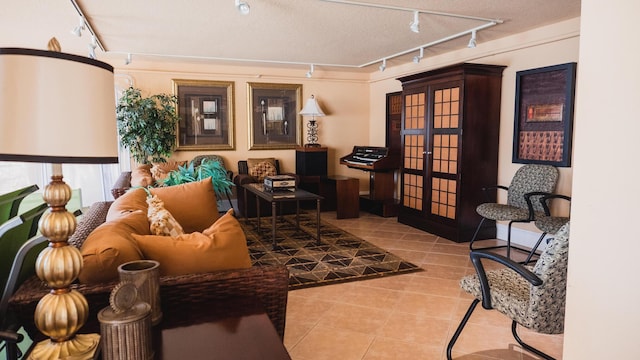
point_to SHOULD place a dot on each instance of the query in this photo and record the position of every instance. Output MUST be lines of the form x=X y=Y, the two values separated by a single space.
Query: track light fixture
x=417 y=58
x=383 y=65
x=415 y=24
x=92 y=47
x=77 y=31
x=472 y=41
x=243 y=7
x=310 y=72
x=92 y=52
x=127 y=61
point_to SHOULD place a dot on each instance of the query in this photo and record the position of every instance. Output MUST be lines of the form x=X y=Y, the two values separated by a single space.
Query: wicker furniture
x=268 y=284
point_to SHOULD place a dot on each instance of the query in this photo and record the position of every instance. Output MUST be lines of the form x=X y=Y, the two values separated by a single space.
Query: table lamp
x=58 y=108
x=311 y=108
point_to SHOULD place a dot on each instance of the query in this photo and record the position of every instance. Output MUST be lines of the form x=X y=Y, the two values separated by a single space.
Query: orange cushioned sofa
x=209 y=261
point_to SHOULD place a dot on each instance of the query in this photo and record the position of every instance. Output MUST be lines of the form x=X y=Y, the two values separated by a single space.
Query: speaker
x=311 y=161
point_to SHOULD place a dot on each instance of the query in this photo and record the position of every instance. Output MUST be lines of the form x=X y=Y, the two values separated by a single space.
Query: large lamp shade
x=56 y=108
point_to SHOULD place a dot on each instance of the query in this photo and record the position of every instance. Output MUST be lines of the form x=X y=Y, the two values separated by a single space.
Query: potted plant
x=147 y=126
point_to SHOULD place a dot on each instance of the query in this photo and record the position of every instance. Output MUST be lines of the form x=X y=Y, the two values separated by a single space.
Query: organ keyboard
x=371 y=158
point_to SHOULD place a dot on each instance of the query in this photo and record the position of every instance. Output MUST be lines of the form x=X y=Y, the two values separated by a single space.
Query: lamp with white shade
x=58 y=108
x=312 y=108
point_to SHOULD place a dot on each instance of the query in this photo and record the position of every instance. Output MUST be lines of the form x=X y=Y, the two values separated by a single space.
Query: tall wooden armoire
x=450 y=135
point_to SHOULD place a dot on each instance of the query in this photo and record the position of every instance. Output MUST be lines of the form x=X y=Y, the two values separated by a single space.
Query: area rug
x=340 y=257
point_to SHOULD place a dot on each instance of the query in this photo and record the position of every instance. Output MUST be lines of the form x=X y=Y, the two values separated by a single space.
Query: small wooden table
x=279 y=197
x=237 y=328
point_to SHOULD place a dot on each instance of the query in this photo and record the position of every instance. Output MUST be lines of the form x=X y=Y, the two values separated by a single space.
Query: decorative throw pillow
x=141 y=176
x=132 y=200
x=161 y=222
x=110 y=245
x=193 y=205
x=260 y=170
x=161 y=170
x=224 y=248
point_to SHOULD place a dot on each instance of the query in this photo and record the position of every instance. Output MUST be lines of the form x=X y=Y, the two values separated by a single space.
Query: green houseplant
x=147 y=126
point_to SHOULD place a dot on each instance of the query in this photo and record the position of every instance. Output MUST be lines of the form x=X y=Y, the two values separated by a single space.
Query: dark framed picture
x=206 y=115
x=544 y=115
x=274 y=120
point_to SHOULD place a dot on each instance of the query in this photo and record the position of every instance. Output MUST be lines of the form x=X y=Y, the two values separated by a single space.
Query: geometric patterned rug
x=340 y=257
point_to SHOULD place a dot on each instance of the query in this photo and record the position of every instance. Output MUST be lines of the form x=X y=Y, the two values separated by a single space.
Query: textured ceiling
x=275 y=32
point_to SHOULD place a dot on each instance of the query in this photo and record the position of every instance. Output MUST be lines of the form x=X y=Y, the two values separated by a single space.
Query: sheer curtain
x=93 y=181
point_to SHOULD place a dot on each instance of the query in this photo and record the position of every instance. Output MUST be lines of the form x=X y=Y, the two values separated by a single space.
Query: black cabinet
x=311 y=161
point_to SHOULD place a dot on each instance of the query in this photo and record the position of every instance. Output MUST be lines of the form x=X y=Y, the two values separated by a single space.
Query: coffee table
x=279 y=197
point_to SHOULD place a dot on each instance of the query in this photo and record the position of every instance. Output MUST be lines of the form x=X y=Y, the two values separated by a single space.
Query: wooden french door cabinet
x=450 y=135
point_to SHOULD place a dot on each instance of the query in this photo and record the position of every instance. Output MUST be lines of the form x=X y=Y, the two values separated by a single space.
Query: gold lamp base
x=63 y=311
x=81 y=347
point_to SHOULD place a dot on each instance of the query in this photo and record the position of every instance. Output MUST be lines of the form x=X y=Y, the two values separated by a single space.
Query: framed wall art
x=274 y=120
x=206 y=114
x=544 y=115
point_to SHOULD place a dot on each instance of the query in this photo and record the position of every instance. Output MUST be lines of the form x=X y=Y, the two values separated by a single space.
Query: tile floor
x=409 y=316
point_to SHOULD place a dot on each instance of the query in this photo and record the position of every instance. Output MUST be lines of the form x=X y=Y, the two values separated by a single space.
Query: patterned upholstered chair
x=531 y=297
x=548 y=223
x=519 y=208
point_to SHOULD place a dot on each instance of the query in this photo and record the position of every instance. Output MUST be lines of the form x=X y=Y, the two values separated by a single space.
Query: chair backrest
x=18 y=231
x=530 y=178
x=243 y=168
x=547 y=301
x=20 y=266
x=197 y=160
x=10 y=202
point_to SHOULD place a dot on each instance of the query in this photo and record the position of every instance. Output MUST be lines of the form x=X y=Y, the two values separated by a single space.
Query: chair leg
x=514 y=325
x=475 y=234
x=455 y=336
x=229 y=199
x=509 y=240
x=535 y=247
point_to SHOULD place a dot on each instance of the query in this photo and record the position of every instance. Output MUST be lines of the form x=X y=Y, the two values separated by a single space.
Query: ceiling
x=275 y=32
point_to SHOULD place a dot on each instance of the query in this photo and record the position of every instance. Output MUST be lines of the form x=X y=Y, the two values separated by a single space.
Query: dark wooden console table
x=237 y=328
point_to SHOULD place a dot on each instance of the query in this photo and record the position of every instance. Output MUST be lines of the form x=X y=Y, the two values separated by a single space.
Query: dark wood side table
x=344 y=194
x=237 y=328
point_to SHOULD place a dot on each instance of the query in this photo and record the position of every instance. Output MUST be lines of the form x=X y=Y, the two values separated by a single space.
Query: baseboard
x=521 y=237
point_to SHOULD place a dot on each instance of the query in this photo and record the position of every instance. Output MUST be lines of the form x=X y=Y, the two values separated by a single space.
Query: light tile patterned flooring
x=409 y=316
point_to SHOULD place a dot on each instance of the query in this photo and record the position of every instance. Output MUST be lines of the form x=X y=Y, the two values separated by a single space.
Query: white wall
x=604 y=290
